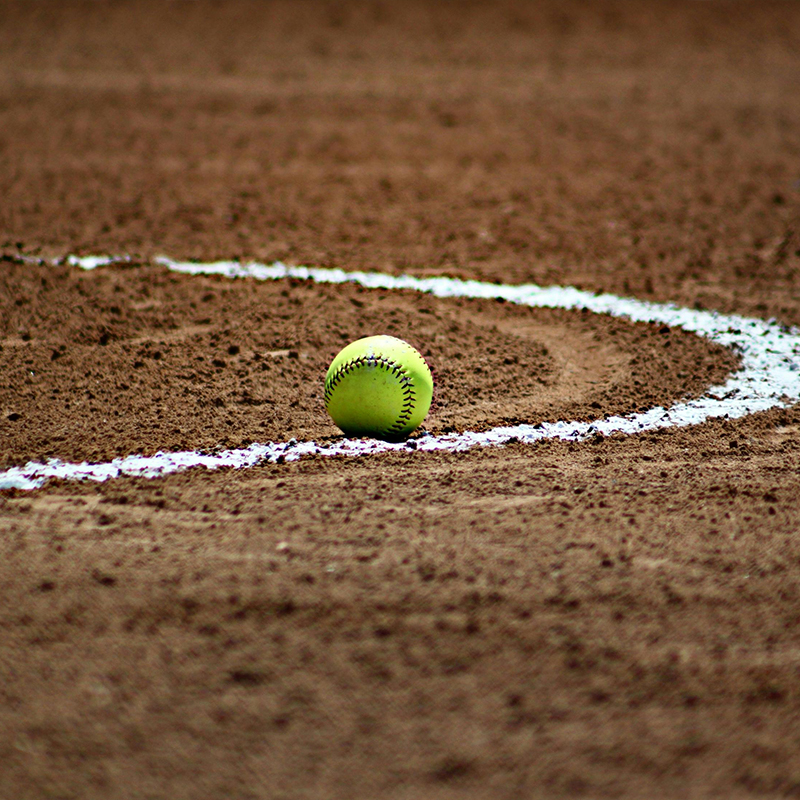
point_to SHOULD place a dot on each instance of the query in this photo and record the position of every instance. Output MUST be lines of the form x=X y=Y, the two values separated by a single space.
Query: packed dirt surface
x=133 y=360
x=611 y=618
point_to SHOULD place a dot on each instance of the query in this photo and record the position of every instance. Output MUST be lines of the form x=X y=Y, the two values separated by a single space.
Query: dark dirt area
x=615 y=618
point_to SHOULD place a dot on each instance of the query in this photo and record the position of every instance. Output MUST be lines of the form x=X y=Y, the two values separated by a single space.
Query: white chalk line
x=769 y=375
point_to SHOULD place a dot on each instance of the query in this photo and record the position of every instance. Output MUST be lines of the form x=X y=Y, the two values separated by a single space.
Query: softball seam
x=406 y=385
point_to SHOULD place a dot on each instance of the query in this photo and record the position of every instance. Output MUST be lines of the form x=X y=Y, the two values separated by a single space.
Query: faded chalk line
x=769 y=376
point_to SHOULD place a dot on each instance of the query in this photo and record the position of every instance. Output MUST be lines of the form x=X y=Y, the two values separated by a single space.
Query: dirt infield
x=612 y=618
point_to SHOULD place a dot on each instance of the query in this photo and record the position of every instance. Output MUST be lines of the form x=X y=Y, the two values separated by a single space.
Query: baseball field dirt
x=611 y=618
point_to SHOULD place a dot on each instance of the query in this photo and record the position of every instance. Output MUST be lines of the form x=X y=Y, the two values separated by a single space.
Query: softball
x=379 y=386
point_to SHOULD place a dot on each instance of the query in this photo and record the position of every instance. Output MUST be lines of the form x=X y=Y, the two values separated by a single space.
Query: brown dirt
x=137 y=359
x=618 y=618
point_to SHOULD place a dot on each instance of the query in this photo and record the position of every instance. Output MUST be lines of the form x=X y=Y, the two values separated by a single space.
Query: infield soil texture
x=614 y=618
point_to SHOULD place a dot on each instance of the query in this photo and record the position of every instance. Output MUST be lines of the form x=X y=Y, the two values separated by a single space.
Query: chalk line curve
x=769 y=375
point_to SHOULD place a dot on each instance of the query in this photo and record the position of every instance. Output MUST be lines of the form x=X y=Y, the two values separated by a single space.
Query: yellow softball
x=379 y=386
